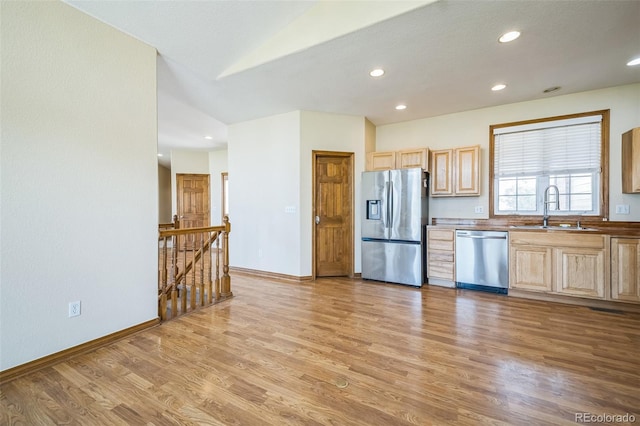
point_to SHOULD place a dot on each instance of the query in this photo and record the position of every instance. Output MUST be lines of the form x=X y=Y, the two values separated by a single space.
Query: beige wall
x=264 y=179
x=328 y=132
x=369 y=137
x=270 y=170
x=472 y=127
x=79 y=180
x=218 y=164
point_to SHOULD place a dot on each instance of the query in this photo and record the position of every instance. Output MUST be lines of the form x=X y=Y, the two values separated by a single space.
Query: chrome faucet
x=545 y=217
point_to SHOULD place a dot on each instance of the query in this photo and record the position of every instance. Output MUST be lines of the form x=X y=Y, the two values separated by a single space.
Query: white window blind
x=548 y=148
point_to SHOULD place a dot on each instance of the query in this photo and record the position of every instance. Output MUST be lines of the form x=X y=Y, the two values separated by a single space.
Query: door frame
x=314 y=155
x=224 y=178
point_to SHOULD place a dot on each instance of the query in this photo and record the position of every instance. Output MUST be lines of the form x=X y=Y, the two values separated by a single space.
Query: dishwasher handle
x=482 y=237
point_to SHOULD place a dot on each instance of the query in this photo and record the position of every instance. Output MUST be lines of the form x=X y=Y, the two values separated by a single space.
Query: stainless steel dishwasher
x=482 y=260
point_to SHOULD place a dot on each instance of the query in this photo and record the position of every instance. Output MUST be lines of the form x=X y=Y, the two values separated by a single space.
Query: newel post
x=225 y=284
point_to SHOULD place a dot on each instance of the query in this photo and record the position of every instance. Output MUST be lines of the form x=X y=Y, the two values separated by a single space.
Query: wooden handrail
x=184 y=231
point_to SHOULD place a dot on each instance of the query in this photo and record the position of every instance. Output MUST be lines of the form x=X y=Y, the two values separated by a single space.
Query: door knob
x=317 y=220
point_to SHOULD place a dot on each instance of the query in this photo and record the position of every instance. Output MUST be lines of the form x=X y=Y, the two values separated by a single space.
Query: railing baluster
x=163 y=306
x=218 y=267
x=174 y=302
x=210 y=257
x=193 y=273
x=202 y=261
x=225 y=285
x=183 y=280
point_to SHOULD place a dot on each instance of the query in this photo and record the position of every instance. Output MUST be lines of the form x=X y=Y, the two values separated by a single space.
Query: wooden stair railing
x=186 y=267
x=172 y=225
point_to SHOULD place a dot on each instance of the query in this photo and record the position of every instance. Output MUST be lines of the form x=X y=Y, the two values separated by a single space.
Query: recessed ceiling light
x=551 y=89
x=378 y=72
x=634 y=62
x=498 y=87
x=208 y=137
x=401 y=107
x=510 y=36
x=159 y=155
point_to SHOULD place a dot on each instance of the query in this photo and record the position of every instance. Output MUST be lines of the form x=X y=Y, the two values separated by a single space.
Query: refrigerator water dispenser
x=373 y=209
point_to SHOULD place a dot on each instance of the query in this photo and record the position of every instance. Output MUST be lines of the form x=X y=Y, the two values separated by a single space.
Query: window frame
x=604 y=164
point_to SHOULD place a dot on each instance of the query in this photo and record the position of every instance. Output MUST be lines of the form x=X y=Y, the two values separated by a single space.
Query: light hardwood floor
x=278 y=353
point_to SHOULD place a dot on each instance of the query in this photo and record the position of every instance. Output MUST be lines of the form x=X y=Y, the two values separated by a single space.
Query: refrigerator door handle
x=388 y=212
x=390 y=204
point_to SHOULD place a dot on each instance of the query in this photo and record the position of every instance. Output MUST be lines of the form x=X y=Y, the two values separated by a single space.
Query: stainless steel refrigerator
x=394 y=222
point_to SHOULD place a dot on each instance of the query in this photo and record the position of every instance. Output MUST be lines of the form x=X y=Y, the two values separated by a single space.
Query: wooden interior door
x=193 y=200
x=333 y=214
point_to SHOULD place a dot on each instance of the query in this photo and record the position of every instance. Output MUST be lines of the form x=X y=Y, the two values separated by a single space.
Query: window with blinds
x=528 y=158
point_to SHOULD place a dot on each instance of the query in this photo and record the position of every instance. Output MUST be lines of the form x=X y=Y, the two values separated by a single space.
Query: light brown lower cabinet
x=580 y=272
x=441 y=256
x=530 y=268
x=625 y=269
x=561 y=263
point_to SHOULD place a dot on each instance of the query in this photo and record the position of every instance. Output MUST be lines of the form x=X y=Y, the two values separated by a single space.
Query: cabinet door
x=580 y=272
x=625 y=269
x=467 y=181
x=631 y=161
x=381 y=160
x=441 y=172
x=410 y=158
x=530 y=268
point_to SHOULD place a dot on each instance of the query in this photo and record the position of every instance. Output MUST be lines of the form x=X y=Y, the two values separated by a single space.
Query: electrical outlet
x=478 y=209
x=260 y=253
x=74 y=309
x=622 y=209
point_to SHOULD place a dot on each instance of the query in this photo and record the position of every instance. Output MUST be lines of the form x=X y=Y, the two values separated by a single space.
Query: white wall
x=186 y=162
x=218 y=164
x=264 y=178
x=472 y=127
x=328 y=132
x=79 y=180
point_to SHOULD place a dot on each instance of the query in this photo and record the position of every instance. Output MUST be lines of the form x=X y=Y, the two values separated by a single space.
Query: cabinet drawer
x=441 y=234
x=440 y=245
x=442 y=270
x=441 y=256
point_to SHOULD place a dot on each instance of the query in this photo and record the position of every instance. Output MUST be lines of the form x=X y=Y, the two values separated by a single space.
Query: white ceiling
x=223 y=62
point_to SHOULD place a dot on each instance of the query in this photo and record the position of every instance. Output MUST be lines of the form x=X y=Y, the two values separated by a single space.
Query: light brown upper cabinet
x=442 y=173
x=383 y=160
x=631 y=161
x=455 y=172
x=403 y=159
x=410 y=158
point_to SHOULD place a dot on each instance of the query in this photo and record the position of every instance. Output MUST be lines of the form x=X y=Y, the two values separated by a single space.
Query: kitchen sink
x=552 y=228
